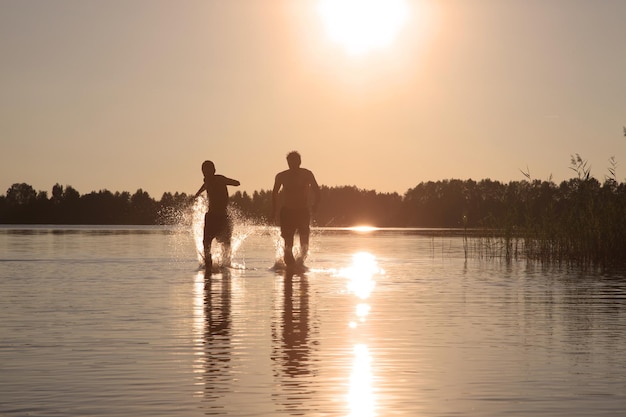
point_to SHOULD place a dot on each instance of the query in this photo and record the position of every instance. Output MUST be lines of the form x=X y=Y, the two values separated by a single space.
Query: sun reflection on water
x=361 y=395
x=362 y=229
x=360 y=274
x=361 y=283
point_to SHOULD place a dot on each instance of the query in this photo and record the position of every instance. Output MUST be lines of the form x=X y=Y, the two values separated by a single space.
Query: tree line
x=22 y=204
x=449 y=203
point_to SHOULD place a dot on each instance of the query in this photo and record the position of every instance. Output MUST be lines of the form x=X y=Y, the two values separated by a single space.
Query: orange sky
x=122 y=95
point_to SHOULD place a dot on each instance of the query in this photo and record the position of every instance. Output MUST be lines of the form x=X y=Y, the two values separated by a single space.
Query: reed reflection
x=292 y=345
x=361 y=283
x=214 y=356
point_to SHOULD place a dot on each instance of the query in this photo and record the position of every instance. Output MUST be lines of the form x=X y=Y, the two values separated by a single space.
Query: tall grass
x=581 y=222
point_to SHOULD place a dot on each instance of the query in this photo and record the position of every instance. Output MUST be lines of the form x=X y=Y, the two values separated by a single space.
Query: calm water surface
x=98 y=321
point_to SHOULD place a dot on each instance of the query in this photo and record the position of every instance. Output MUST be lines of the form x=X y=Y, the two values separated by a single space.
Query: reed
x=581 y=222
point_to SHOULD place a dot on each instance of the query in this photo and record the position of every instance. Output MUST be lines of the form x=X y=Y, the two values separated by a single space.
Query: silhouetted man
x=296 y=183
x=217 y=223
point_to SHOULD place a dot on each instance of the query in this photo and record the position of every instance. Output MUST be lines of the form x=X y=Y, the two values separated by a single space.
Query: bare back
x=296 y=183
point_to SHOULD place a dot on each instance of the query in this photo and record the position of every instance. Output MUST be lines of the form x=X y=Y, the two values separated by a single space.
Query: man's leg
x=304 y=246
x=287 y=231
x=304 y=232
x=208 y=262
x=226 y=238
x=208 y=237
x=289 y=259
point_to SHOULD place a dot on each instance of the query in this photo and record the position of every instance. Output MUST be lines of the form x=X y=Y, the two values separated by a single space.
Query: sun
x=361 y=26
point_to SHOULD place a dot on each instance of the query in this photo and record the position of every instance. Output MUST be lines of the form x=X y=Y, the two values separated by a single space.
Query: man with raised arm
x=296 y=184
x=217 y=223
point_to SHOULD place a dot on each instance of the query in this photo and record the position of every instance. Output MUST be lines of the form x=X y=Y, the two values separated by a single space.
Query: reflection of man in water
x=295 y=326
x=217 y=223
x=293 y=344
x=296 y=183
x=217 y=343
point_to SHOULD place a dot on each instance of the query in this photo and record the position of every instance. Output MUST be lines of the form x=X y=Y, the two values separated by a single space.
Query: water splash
x=279 y=248
x=242 y=228
x=198 y=211
x=190 y=220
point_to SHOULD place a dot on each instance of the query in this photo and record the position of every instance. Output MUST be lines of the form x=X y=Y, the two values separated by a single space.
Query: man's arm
x=316 y=192
x=230 y=181
x=275 y=190
x=200 y=191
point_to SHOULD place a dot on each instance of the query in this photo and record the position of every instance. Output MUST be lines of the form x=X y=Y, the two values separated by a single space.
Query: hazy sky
x=128 y=94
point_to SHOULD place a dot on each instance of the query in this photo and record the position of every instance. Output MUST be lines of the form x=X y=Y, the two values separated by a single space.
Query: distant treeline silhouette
x=581 y=218
x=434 y=204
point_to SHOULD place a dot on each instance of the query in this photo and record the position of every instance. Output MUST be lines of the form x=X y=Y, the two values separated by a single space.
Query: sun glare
x=362 y=229
x=363 y=25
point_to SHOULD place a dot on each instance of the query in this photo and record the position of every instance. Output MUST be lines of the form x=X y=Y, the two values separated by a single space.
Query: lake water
x=103 y=321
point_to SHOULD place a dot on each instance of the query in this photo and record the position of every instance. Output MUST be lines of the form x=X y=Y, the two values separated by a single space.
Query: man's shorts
x=217 y=226
x=292 y=220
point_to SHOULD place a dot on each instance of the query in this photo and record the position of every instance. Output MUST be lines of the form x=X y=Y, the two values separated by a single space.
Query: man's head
x=293 y=159
x=208 y=168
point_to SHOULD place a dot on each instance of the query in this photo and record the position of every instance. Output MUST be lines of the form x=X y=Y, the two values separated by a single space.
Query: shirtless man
x=294 y=214
x=217 y=223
